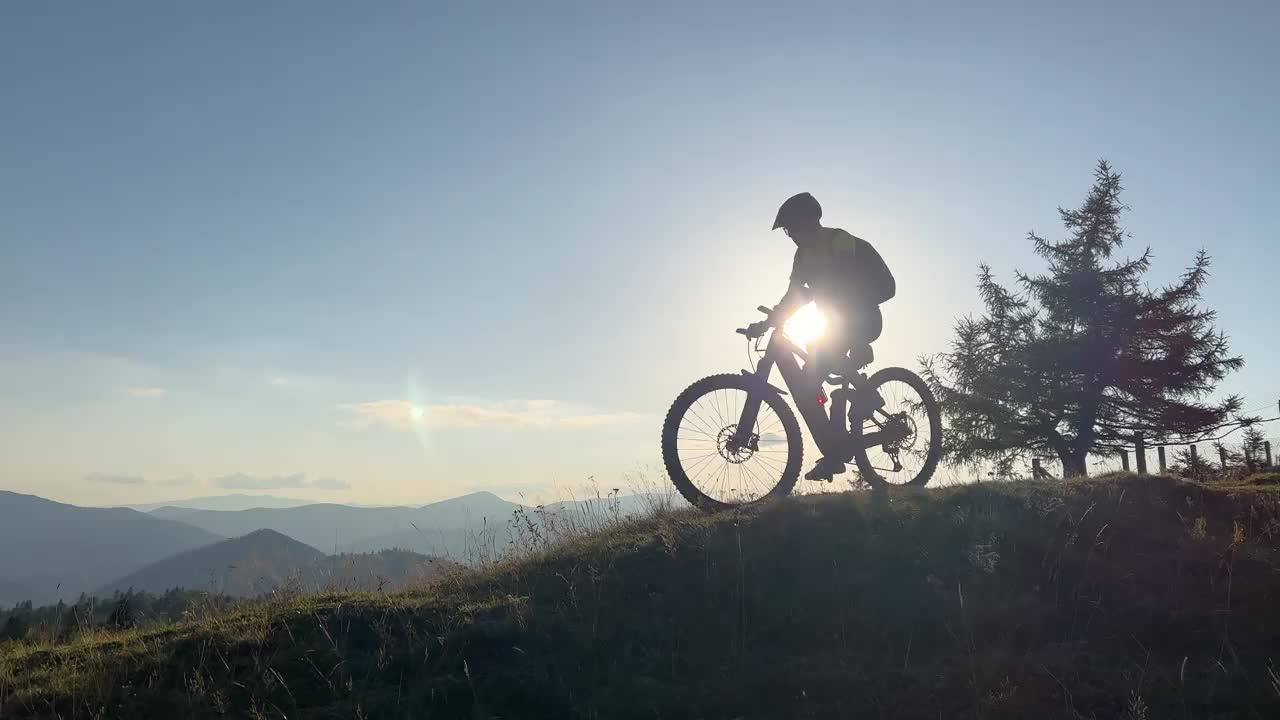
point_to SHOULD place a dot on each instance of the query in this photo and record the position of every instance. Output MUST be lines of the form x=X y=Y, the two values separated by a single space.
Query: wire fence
x=1220 y=448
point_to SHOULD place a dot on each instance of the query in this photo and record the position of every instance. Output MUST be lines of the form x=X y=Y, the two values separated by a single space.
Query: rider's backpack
x=873 y=273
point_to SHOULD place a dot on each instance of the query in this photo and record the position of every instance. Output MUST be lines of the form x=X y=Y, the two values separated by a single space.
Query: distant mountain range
x=265 y=560
x=438 y=529
x=54 y=550
x=235 y=501
x=449 y=528
x=245 y=566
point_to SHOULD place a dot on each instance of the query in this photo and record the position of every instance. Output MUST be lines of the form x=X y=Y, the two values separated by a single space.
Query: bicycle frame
x=827 y=427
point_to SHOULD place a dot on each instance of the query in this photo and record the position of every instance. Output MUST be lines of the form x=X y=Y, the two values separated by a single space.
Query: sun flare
x=806 y=325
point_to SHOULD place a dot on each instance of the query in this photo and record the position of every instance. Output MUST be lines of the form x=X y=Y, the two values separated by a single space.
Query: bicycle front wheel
x=703 y=458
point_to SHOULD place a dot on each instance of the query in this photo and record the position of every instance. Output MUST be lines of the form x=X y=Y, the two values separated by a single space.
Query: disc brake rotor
x=732 y=449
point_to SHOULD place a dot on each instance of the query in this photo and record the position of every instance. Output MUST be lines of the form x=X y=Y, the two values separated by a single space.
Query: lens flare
x=806 y=325
x=417 y=399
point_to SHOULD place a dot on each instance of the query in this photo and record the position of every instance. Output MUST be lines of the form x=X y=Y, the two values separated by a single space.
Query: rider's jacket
x=843 y=270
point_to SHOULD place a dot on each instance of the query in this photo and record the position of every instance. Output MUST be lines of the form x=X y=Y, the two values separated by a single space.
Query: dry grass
x=1122 y=597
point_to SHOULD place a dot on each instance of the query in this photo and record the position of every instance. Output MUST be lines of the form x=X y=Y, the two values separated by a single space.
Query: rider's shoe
x=825 y=469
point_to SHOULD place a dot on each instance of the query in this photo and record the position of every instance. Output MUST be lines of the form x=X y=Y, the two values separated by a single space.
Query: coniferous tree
x=1254 y=445
x=1083 y=356
x=1189 y=465
x=122 y=615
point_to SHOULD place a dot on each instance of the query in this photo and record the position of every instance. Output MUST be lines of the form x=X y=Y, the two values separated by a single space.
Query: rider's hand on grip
x=757 y=329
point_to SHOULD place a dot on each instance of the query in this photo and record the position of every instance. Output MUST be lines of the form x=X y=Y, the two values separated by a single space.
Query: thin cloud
x=290 y=383
x=526 y=414
x=146 y=392
x=330 y=484
x=387 y=413
x=242 y=481
x=174 y=482
x=116 y=479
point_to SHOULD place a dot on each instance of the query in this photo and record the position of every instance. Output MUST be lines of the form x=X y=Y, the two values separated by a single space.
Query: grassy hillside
x=1119 y=598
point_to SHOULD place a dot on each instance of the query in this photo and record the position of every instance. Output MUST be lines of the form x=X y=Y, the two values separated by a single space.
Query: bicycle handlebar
x=744 y=331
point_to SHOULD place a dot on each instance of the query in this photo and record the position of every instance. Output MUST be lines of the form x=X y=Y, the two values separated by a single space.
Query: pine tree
x=122 y=616
x=1254 y=445
x=1083 y=356
x=1232 y=458
x=1190 y=465
x=16 y=627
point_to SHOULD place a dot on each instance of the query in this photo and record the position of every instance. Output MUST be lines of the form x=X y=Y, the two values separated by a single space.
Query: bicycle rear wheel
x=702 y=458
x=909 y=427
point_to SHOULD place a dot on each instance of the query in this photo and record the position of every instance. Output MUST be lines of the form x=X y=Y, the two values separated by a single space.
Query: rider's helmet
x=798 y=211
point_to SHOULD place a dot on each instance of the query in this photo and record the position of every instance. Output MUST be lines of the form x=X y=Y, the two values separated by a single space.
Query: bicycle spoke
x=723 y=464
x=902 y=405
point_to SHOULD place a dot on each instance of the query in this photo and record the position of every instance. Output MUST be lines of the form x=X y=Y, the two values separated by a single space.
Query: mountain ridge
x=264 y=560
x=68 y=549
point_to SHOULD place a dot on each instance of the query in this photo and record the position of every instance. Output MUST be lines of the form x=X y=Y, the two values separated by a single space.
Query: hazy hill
x=12 y=593
x=382 y=570
x=265 y=560
x=235 y=501
x=1136 y=598
x=331 y=527
x=244 y=566
x=58 y=550
x=445 y=528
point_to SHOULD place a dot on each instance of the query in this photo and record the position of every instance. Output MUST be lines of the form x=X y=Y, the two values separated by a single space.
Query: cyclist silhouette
x=845 y=278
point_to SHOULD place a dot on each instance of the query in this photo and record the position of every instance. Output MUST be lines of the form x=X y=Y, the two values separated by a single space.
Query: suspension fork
x=751 y=408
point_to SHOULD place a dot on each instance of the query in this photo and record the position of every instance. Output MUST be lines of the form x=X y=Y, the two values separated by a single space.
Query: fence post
x=1035 y=468
x=1160 y=455
x=1267 y=447
x=1140 y=454
x=1222 y=456
x=1195 y=457
x=1124 y=460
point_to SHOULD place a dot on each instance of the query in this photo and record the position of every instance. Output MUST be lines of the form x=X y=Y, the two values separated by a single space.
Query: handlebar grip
x=741 y=331
x=765 y=310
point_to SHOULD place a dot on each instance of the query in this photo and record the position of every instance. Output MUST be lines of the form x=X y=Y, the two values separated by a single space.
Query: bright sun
x=806 y=325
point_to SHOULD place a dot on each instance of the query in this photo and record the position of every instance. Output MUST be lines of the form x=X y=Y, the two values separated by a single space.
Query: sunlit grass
x=909 y=604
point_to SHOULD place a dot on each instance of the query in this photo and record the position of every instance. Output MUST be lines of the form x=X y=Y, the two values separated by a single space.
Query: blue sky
x=242 y=241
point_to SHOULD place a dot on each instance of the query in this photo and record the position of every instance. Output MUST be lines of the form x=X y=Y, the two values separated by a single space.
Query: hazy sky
x=242 y=242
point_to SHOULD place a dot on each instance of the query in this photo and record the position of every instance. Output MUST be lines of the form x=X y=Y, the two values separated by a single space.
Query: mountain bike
x=731 y=440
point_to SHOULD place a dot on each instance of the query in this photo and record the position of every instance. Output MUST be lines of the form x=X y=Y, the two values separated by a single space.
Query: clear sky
x=242 y=241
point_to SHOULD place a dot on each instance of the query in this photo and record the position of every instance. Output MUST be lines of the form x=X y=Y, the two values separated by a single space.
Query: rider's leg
x=865 y=328
x=825 y=357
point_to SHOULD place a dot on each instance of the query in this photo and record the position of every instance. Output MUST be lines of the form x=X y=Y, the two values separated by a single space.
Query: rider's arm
x=797 y=295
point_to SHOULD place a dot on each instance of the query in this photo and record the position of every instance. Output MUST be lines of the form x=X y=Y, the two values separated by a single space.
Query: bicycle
x=746 y=437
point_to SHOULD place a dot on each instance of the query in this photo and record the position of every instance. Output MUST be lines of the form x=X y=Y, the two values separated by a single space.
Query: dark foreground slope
x=1137 y=598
